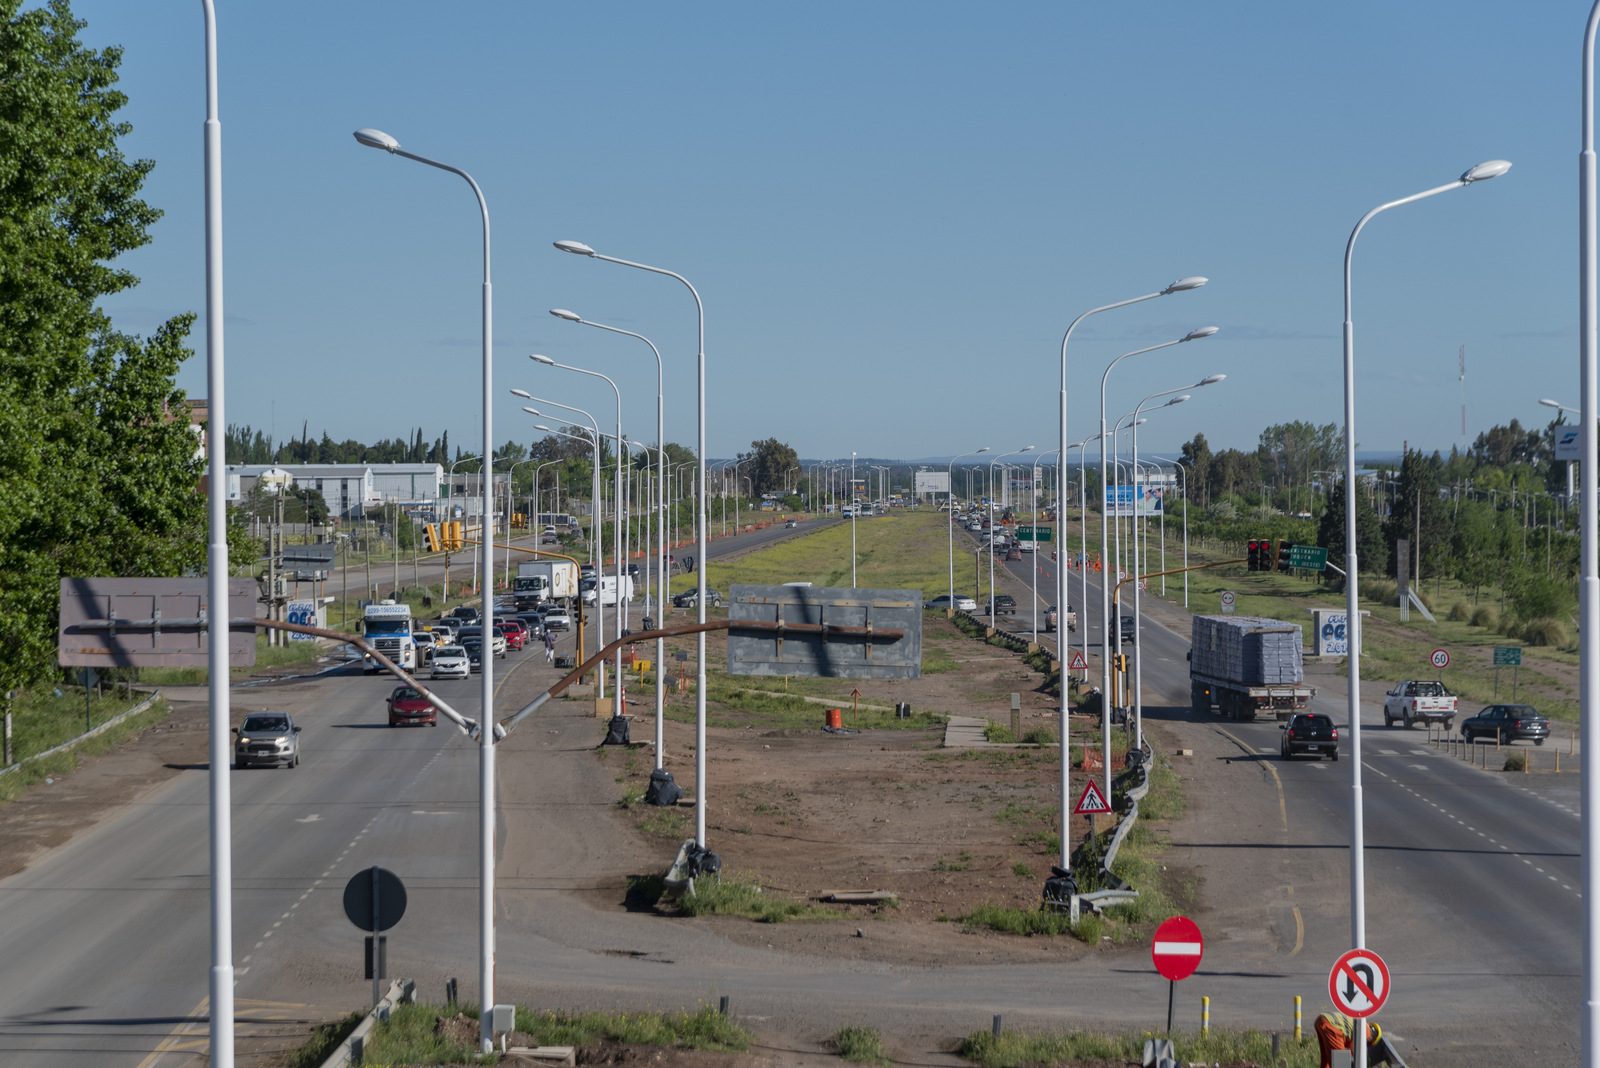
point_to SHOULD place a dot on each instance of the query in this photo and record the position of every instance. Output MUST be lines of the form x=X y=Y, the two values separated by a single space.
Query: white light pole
x=950 y=526
x=1181 y=285
x=219 y=710
x=853 y=510
x=579 y=249
x=1183 y=493
x=488 y=727
x=1107 y=575
x=1358 y=893
x=993 y=524
x=594 y=474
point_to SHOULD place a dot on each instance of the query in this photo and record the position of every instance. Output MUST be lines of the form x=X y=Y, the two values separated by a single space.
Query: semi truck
x=1244 y=666
x=387 y=628
x=539 y=581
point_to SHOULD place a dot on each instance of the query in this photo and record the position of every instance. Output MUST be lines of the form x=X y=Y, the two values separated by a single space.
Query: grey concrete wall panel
x=833 y=656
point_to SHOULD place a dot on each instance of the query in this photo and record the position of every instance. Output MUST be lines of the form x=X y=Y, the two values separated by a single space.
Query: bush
x=1486 y=617
x=864 y=1045
x=1516 y=760
x=1039 y=736
x=716 y=896
x=1380 y=591
x=1459 y=612
x=1547 y=631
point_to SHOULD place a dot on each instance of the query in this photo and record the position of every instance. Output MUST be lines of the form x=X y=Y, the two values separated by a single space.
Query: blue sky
x=892 y=211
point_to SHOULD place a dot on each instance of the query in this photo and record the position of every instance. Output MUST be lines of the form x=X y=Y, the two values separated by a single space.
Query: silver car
x=450 y=662
x=269 y=738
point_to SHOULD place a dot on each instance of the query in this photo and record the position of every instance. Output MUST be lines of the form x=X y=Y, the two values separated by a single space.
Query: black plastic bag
x=662 y=790
x=617 y=731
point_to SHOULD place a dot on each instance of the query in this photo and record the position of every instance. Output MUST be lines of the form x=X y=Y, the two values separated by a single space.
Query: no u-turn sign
x=1359 y=983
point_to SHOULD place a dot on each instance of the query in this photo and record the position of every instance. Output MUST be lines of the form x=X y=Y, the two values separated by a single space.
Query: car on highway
x=268 y=738
x=633 y=570
x=690 y=598
x=790 y=523
x=513 y=633
x=1508 y=723
x=1001 y=604
x=1014 y=553
x=557 y=618
x=426 y=641
x=1125 y=629
x=450 y=662
x=466 y=613
x=408 y=708
x=587 y=571
x=534 y=621
x=943 y=601
x=1309 y=734
x=497 y=643
x=474 y=650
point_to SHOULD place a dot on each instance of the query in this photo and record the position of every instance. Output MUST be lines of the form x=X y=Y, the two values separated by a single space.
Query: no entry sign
x=1359 y=983
x=1177 y=948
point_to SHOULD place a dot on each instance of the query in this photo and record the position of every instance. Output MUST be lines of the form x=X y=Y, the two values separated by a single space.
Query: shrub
x=1516 y=760
x=1484 y=616
x=1039 y=736
x=717 y=896
x=1380 y=591
x=1459 y=612
x=994 y=732
x=1547 y=631
x=864 y=1045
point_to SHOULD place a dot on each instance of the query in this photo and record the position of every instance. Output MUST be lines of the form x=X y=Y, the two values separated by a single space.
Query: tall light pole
x=950 y=526
x=661 y=532
x=993 y=623
x=1183 y=494
x=595 y=510
x=1358 y=896
x=1108 y=626
x=219 y=708
x=853 y=510
x=1588 y=558
x=488 y=727
x=578 y=248
x=1180 y=286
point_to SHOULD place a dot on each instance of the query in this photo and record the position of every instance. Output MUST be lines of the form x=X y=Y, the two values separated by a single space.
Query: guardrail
x=86 y=735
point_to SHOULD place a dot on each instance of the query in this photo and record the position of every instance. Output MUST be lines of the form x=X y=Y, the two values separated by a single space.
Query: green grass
x=863 y=1045
x=266 y=656
x=1009 y=919
x=1014 y=1049
x=42 y=721
x=409 y=1038
x=323 y=1041
x=729 y=897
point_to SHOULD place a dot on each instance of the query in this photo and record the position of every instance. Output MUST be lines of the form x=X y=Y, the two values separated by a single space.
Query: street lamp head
x=547 y=361
x=1484 y=171
x=1548 y=403
x=984 y=449
x=1192 y=282
x=1210 y=380
x=577 y=248
x=1026 y=448
x=377 y=139
x=1177 y=400
x=562 y=313
x=540 y=426
x=524 y=394
x=1141 y=420
x=533 y=411
x=1204 y=331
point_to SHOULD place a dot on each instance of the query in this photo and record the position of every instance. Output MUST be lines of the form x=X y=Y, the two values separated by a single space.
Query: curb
x=351 y=1050
x=86 y=735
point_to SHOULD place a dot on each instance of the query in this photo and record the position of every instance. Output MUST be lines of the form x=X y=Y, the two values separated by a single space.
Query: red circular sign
x=1359 y=983
x=1176 y=948
x=1439 y=659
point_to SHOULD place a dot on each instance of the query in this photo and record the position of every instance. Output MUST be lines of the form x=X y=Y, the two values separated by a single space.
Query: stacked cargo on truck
x=1244 y=665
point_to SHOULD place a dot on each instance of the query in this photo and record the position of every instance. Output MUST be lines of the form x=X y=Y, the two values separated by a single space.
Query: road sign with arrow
x=1359 y=983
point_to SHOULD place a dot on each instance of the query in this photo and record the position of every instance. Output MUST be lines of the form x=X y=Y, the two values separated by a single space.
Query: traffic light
x=1253 y=556
x=453 y=538
x=430 y=537
x=1284 y=548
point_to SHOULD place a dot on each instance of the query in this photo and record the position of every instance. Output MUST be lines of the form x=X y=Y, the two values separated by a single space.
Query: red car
x=408 y=708
x=513 y=633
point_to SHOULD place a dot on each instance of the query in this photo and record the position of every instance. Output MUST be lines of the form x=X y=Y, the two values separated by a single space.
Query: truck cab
x=387 y=626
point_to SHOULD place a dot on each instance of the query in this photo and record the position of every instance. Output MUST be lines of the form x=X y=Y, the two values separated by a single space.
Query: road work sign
x=1091 y=802
x=1176 y=948
x=1359 y=983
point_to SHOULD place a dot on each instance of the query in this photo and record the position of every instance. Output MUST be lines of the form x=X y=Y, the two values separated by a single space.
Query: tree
x=1420 y=515
x=95 y=439
x=767 y=464
x=1197 y=456
x=1371 y=554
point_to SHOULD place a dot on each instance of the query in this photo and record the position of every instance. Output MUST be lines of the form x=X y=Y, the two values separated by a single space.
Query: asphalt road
x=1472 y=892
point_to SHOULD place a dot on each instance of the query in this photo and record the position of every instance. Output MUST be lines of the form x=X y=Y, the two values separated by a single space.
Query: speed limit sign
x=1439 y=659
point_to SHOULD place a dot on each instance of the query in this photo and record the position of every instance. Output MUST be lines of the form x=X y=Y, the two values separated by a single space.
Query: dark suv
x=1311 y=734
x=1508 y=722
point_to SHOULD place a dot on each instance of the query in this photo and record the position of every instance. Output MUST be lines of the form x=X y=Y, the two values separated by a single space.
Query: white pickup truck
x=1052 y=618
x=1424 y=702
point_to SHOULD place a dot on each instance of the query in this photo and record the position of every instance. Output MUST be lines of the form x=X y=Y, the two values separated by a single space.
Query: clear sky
x=892 y=211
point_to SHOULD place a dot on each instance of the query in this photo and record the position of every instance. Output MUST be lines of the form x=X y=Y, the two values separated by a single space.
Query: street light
x=950 y=525
x=1182 y=285
x=1358 y=902
x=578 y=248
x=488 y=728
x=1562 y=407
x=993 y=524
x=1107 y=575
x=854 y=508
x=595 y=511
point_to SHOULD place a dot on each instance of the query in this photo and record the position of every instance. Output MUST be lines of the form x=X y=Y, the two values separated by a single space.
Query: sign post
x=1227 y=602
x=375 y=900
x=1359 y=983
x=1507 y=656
x=1176 y=949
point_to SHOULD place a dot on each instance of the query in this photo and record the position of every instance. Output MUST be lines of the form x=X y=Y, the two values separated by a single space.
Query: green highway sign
x=1308 y=557
x=1507 y=656
x=1033 y=533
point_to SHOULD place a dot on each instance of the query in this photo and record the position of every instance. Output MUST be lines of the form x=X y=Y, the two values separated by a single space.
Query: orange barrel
x=835 y=717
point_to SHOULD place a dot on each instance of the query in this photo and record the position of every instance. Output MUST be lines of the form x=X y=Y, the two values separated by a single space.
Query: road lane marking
x=1283 y=809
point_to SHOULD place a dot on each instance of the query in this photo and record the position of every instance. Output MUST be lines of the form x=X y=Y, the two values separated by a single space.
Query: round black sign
x=375 y=890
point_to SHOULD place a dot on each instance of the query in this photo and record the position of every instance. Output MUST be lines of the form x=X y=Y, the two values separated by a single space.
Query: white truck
x=539 y=581
x=1419 y=702
x=606 y=589
x=387 y=628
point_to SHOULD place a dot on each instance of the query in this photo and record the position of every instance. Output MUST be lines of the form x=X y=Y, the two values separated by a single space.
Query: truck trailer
x=1244 y=666
x=539 y=581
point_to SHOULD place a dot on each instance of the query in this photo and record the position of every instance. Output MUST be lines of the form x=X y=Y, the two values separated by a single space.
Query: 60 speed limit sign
x=1439 y=659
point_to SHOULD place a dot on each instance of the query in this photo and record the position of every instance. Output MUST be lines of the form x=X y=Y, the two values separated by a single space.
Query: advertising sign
x=306 y=614
x=931 y=482
x=1134 y=500
x=1332 y=637
x=1567 y=445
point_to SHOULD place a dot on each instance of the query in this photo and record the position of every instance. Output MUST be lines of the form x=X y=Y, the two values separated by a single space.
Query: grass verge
x=1016 y=1048
x=863 y=1045
x=267 y=656
x=323 y=1041
x=36 y=771
x=731 y=897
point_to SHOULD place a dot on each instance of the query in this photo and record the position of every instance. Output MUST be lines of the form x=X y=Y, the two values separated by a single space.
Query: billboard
x=1135 y=500
x=932 y=482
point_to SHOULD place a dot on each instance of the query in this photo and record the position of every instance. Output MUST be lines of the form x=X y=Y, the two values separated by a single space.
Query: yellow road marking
x=176 y=1040
x=1283 y=809
x=195 y=1032
x=1299 y=929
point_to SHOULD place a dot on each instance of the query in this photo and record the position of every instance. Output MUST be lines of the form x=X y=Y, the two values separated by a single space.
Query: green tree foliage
x=99 y=456
x=1419 y=515
x=767 y=465
x=1371 y=554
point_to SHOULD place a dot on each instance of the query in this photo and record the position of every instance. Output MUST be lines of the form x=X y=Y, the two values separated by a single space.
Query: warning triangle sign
x=1078 y=662
x=1091 y=802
